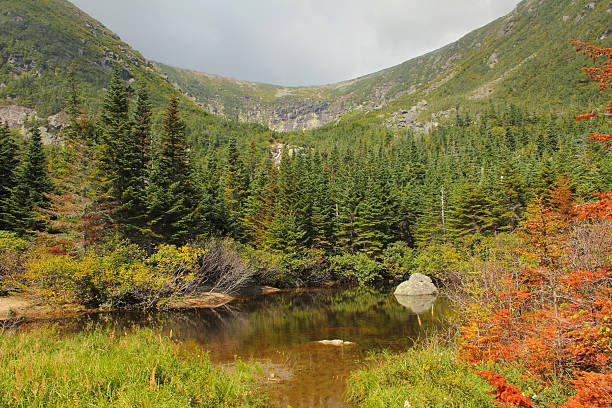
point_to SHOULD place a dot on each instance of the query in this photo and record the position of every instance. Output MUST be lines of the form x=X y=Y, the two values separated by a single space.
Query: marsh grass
x=424 y=377
x=431 y=375
x=101 y=368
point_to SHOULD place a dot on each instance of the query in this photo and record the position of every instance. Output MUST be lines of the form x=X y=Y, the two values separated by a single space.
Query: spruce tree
x=32 y=184
x=233 y=189
x=134 y=206
x=8 y=173
x=172 y=198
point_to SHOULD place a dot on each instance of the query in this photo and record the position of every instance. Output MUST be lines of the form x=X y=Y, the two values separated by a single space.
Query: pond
x=282 y=332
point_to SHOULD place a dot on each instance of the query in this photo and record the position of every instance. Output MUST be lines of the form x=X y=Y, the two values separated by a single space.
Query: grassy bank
x=432 y=376
x=102 y=369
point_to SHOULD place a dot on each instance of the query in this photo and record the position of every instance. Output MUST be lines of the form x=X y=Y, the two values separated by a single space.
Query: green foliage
x=171 y=193
x=424 y=377
x=356 y=268
x=121 y=274
x=111 y=278
x=398 y=260
x=291 y=270
x=32 y=183
x=101 y=368
x=8 y=167
x=13 y=251
x=432 y=375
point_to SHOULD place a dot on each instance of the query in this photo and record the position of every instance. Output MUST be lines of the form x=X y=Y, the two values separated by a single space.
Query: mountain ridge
x=523 y=58
x=41 y=39
x=302 y=108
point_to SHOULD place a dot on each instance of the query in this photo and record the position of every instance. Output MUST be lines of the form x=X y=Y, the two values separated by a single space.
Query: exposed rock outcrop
x=15 y=115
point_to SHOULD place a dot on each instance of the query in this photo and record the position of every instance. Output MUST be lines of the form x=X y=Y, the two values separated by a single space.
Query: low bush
x=13 y=251
x=356 y=268
x=121 y=274
x=398 y=260
x=100 y=369
x=288 y=270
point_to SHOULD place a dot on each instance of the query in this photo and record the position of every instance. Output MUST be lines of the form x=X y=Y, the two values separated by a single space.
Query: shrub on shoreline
x=121 y=274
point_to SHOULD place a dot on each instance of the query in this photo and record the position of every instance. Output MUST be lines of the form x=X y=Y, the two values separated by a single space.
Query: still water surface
x=281 y=331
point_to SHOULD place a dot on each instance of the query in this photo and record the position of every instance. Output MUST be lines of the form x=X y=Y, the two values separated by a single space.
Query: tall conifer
x=8 y=173
x=32 y=183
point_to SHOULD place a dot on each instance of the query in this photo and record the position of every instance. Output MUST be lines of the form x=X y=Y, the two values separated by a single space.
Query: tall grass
x=428 y=376
x=99 y=368
x=431 y=375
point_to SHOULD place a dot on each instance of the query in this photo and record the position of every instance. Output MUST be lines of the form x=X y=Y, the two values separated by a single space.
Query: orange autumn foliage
x=506 y=395
x=594 y=391
x=548 y=317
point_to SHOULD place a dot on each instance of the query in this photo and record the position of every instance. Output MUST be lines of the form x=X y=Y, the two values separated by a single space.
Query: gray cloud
x=291 y=42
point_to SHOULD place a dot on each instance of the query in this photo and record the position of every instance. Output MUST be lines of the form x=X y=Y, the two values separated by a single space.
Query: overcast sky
x=291 y=42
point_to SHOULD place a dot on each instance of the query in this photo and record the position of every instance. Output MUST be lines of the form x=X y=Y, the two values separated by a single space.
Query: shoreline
x=15 y=308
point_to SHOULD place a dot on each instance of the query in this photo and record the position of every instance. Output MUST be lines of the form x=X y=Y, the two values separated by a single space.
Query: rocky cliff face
x=295 y=116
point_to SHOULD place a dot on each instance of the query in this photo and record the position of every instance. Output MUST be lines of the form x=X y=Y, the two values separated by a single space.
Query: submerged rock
x=336 y=342
x=417 y=285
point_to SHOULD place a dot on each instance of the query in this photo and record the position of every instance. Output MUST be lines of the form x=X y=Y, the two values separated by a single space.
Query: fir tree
x=472 y=213
x=134 y=206
x=233 y=189
x=76 y=215
x=172 y=198
x=32 y=183
x=8 y=173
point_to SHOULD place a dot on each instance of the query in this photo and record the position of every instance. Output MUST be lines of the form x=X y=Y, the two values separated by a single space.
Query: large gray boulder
x=417 y=285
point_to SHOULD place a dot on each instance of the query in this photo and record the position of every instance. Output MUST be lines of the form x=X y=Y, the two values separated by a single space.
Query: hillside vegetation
x=40 y=40
x=507 y=60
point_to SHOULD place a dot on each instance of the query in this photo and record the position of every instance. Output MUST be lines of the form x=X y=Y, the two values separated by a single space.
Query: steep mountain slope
x=40 y=39
x=523 y=57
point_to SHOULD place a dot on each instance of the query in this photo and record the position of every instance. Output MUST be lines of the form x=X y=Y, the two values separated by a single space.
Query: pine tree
x=172 y=198
x=76 y=214
x=134 y=206
x=32 y=183
x=233 y=189
x=8 y=173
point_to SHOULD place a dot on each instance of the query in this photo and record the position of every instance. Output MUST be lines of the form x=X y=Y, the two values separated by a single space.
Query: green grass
x=425 y=377
x=97 y=368
x=431 y=375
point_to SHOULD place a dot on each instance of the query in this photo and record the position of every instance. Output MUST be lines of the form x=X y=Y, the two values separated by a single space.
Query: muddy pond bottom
x=283 y=333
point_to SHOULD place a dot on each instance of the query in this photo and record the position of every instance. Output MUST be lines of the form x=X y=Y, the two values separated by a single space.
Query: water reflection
x=417 y=304
x=282 y=331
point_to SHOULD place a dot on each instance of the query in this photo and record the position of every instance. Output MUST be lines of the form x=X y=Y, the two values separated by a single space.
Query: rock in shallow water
x=417 y=285
x=336 y=342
